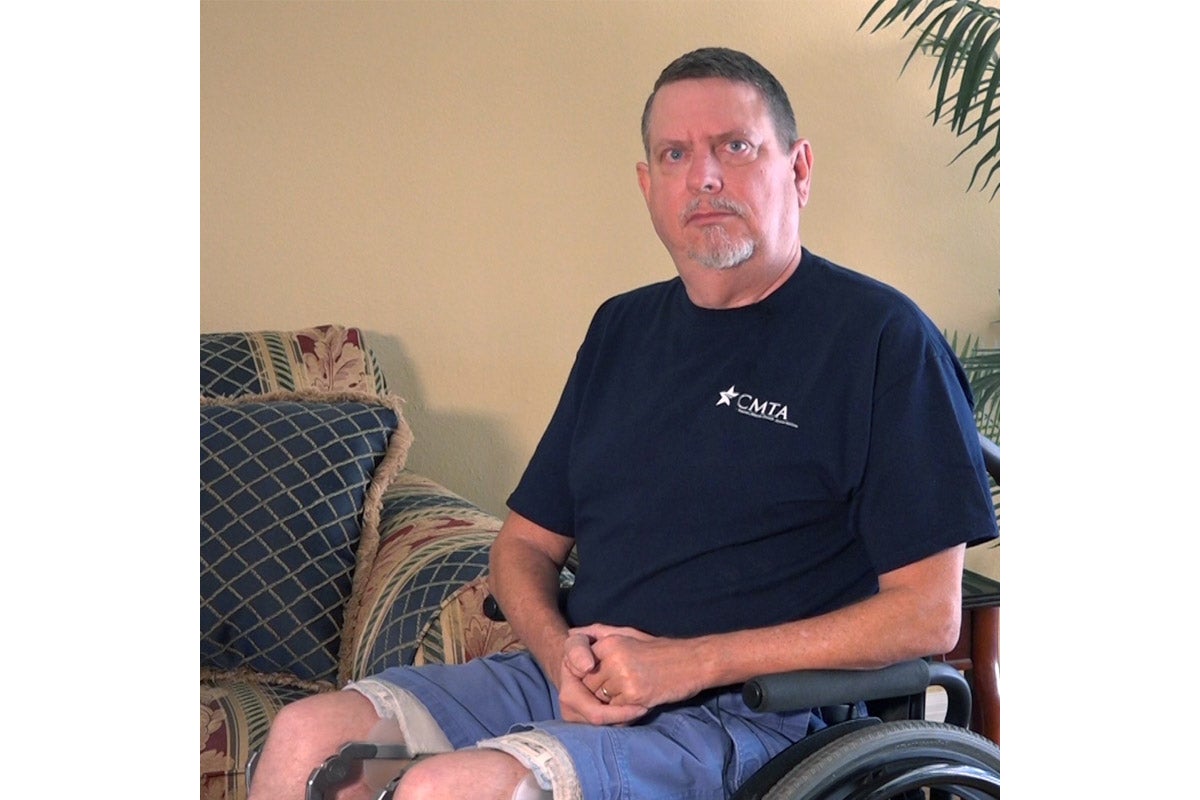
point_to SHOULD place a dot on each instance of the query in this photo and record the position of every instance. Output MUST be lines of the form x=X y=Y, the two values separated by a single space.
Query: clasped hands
x=613 y=676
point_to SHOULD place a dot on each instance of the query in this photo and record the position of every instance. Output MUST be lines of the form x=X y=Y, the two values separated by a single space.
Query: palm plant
x=964 y=37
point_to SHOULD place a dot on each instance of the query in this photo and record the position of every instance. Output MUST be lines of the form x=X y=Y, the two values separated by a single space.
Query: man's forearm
x=858 y=638
x=916 y=613
x=524 y=582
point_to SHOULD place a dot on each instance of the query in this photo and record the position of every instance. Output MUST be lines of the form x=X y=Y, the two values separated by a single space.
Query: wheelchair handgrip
x=958 y=692
x=786 y=691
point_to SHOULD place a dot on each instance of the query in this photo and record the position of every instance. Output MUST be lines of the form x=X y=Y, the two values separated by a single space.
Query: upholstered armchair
x=323 y=558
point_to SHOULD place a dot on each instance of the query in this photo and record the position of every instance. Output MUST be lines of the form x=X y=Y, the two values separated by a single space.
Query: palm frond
x=964 y=38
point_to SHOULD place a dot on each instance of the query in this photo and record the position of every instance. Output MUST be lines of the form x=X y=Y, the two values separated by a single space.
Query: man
x=767 y=464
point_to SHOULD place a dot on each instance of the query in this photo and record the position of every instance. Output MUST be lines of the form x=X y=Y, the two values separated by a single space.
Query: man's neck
x=743 y=285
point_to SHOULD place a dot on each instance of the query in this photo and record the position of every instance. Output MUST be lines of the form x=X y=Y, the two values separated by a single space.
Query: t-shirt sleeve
x=925 y=487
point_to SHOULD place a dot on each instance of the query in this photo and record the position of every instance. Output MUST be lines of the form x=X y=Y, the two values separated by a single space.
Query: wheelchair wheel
x=897 y=760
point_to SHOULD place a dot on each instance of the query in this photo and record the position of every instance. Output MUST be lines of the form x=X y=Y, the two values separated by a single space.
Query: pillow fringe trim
x=247 y=675
x=393 y=462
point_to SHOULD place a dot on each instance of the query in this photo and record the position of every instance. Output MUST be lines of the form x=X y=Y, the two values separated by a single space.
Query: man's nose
x=704 y=174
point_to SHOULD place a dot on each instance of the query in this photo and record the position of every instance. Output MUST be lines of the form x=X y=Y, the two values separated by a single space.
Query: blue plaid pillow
x=284 y=486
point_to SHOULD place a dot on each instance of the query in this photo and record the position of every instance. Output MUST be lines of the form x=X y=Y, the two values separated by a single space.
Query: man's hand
x=627 y=667
x=579 y=702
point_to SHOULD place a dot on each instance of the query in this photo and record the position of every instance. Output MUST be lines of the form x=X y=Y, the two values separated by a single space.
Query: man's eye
x=674 y=154
x=738 y=146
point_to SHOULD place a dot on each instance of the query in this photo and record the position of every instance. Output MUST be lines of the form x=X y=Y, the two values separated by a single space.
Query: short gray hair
x=721 y=62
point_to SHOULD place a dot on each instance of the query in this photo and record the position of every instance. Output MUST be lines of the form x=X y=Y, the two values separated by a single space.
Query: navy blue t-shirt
x=729 y=469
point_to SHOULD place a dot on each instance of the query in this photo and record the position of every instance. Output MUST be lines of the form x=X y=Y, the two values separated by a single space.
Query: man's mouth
x=709 y=217
x=713 y=212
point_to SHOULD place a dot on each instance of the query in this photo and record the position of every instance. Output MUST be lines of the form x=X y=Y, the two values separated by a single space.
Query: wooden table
x=978 y=651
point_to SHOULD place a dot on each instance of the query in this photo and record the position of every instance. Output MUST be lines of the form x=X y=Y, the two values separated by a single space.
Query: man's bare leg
x=307 y=732
x=303 y=735
x=468 y=774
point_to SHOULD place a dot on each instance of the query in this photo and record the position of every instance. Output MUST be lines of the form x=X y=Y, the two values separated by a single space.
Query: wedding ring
x=607 y=696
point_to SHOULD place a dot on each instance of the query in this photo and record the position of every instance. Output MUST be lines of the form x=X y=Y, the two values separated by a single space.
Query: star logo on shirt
x=751 y=406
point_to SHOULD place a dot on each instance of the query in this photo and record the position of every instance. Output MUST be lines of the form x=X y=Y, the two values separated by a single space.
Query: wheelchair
x=887 y=752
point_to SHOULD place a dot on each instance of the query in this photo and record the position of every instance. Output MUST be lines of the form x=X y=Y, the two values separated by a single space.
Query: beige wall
x=458 y=179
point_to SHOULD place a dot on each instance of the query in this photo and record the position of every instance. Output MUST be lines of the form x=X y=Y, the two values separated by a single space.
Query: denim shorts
x=702 y=749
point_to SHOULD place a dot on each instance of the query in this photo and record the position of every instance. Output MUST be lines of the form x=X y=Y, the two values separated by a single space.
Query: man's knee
x=422 y=780
x=448 y=775
x=304 y=734
x=334 y=712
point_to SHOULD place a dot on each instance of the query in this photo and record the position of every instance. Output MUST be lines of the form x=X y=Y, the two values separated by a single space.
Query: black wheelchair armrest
x=786 y=691
x=492 y=610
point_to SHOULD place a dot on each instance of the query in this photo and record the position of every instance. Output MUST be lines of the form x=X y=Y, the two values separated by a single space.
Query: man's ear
x=643 y=175
x=802 y=162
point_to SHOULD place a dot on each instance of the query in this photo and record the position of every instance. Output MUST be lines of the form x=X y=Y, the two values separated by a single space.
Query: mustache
x=714 y=203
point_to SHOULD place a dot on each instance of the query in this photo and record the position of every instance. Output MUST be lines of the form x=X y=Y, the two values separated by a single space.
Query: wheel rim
x=964 y=781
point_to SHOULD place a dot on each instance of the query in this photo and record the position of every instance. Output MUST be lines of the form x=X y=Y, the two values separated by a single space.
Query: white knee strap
x=529 y=789
x=377 y=772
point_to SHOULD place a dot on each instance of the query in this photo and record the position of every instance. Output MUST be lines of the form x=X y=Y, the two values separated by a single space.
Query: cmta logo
x=751 y=406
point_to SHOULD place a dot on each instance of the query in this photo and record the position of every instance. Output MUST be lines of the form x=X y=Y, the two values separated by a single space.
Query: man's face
x=721 y=189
